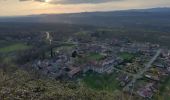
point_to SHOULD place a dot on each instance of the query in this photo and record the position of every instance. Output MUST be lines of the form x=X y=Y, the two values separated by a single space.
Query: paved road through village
x=147 y=66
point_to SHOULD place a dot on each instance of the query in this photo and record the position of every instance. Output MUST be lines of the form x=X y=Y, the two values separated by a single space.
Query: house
x=124 y=79
x=153 y=77
x=168 y=69
x=73 y=71
x=146 y=91
x=102 y=66
x=159 y=65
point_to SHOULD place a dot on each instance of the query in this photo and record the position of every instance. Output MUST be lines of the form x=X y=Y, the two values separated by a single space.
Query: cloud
x=76 y=1
x=34 y=0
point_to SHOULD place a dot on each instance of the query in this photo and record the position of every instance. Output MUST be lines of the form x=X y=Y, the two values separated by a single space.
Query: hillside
x=18 y=84
x=152 y=18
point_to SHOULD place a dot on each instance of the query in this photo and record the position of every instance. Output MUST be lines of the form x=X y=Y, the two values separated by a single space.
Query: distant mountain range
x=136 y=17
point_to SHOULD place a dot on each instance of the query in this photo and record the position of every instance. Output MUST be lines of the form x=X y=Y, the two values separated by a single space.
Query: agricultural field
x=8 y=48
x=4 y=43
x=14 y=47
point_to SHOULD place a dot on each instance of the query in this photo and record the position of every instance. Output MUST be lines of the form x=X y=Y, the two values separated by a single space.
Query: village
x=138 y=68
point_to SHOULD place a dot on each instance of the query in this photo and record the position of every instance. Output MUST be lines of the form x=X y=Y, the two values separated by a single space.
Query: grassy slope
x=106 y=82
x=22 y=85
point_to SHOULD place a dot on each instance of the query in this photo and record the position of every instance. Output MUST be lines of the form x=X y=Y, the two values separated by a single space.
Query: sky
x=31 y=7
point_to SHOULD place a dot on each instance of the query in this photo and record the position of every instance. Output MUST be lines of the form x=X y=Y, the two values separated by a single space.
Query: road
x=122 y=71
x=147 y=66
x=80 y=43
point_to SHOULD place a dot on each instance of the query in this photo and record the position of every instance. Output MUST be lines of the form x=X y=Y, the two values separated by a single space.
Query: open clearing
x=14 y=47
x=97 y=81
x=95 y=56
x=126 y=56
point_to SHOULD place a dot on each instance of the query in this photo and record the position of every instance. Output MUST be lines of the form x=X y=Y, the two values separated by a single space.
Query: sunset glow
x=27 y=7
x=47 y=1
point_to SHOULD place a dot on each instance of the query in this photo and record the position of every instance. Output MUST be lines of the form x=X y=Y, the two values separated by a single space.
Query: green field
x=126 y=56
x=95 y=56
x=97 y=81
x=90 y=57
x=4 y=43
x=65 y=46
x=14 y=47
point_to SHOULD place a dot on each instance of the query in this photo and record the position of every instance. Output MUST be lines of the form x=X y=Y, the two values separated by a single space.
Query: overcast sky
x=29 y=7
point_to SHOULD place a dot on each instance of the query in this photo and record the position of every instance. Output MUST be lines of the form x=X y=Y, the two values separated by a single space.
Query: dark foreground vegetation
x=18 y=84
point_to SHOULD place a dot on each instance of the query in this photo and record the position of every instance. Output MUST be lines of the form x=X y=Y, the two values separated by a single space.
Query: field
x=90 y=57
x=14 y=47
x=64 y=46
x=95 y=56
x=97 y=81
x=4 y=43
x=126 y=56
